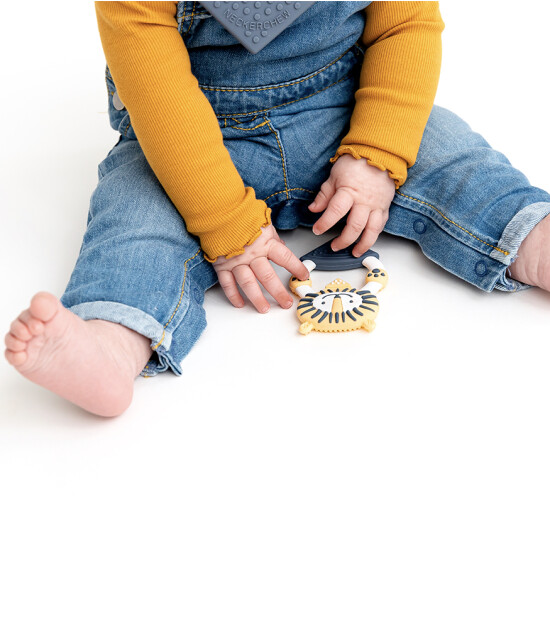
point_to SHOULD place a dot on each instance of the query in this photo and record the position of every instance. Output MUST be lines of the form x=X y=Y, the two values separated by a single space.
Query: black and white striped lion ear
x=377 y=276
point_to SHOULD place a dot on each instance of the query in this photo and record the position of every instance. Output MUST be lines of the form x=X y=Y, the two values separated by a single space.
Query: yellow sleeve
x=176 y=126
x=397 y=87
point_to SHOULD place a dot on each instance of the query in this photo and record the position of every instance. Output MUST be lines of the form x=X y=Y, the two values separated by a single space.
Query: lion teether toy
x=339 y=307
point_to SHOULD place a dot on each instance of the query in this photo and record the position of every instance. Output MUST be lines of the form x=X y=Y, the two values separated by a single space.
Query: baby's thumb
x=323 y=197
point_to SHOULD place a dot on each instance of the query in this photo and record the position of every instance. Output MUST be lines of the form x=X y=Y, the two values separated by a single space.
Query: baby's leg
x=532 y=264
x=133 y=304
x=471 y=211
x=91 y=363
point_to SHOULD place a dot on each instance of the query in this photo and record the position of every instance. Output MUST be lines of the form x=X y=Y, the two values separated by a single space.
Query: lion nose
x=337 y=305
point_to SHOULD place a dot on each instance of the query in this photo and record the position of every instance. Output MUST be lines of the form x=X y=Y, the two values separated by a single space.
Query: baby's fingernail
x=315 y=230
x=288 y=304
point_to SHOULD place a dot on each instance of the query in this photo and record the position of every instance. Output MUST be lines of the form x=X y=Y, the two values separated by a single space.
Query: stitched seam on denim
x=199 y=16
x=275 y=87
x=290 y=189
x=276 y=133
x=239 y=121
x=260 y=111
x=192 y=18
x=146 y=375
x=453 y=222
x=180 y=27
x=248 y=128
x=179 y=302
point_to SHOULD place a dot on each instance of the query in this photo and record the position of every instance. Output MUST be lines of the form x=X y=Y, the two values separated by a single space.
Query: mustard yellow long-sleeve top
x=180 y=136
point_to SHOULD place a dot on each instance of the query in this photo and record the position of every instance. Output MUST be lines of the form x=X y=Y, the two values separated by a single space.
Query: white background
x=385 y=481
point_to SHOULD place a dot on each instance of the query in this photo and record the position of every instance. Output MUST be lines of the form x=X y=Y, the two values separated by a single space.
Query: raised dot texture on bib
x=269 y=20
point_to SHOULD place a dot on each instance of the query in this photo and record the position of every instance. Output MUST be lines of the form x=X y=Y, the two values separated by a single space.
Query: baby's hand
x=253 y=265
x=366 y=190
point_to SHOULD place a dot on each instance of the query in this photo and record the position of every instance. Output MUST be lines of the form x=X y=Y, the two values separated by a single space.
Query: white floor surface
x=392 y=480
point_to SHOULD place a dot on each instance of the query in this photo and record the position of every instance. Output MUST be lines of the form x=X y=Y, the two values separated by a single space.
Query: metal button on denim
x=481 y=268
x=419 y=226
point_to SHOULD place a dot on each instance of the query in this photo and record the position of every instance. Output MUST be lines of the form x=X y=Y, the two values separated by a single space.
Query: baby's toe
x=44 y=306
x=19 y=329
x=35 y=325
x=15 y=358
x=14 y=344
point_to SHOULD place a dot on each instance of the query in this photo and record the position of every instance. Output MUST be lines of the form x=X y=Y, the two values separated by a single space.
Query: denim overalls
x=282 y=113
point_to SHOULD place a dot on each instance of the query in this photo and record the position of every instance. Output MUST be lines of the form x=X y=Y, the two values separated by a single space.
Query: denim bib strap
x=255 y=24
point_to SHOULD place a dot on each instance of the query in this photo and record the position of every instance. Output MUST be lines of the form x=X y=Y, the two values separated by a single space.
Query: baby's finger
x=265 y=273
x=229 y=286
x=340 y=203
x=248 y=283
x=375 y=224
x=284 y=257
x=323 y=197
x=356 y=222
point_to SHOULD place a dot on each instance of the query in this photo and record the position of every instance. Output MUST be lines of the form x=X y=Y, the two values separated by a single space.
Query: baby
x=331 y=123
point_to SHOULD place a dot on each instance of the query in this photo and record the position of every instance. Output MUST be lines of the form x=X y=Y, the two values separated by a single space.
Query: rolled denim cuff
x=512 y=237
x=140 y=322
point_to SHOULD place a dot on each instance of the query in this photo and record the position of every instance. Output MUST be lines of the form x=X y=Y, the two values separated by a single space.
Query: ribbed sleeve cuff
x=396 y=166
x=230 y=239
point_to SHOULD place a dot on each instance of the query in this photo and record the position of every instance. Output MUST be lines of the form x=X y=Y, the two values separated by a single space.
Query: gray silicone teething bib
x=255 y=24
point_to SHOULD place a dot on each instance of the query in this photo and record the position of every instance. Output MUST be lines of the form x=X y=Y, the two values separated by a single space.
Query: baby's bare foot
x=532 y=264
x=92 y=363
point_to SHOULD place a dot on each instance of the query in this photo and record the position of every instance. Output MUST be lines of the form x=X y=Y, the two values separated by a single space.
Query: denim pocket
x=252 y=126
x=228 y=102
x=256 y=150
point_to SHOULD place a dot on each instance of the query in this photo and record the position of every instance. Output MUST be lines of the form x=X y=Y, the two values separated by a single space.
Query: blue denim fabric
x=463 y=203
x=314 y=39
